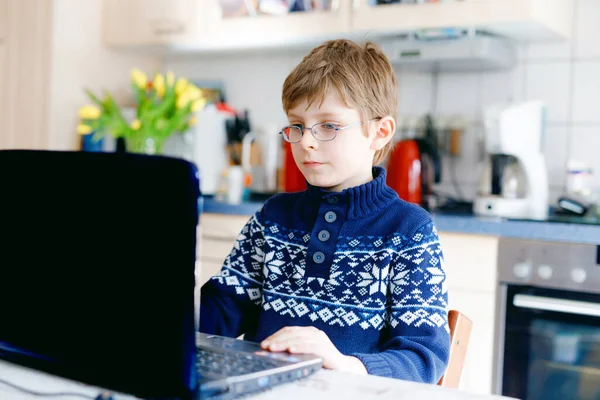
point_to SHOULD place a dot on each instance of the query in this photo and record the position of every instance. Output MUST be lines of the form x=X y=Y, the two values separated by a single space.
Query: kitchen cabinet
x=3 y=95
x=3 y=19
x=471 y=269
x=477 y=371
x=470 y=263
x=518 y=19
x=24 y=73
x=200 y=26
x=216 y=235
x=3 y=71
x=270 y=30
x=152 y=22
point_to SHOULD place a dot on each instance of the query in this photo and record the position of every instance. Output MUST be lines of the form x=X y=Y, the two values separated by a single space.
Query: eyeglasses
x=323 y=131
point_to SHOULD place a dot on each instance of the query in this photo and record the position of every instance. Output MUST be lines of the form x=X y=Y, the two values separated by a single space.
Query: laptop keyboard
x=232 y=364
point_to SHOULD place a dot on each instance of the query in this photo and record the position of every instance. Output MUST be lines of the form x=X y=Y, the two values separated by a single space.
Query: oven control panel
x=554 y=265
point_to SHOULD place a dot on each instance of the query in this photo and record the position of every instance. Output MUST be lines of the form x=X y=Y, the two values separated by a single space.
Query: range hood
x=470 y=53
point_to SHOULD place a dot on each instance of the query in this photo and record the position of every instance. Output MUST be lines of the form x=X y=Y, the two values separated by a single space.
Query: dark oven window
x=552 y=345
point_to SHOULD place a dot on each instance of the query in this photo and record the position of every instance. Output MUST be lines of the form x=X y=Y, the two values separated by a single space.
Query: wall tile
x=560 y=51
x=249 y=81
x=550 y=82
x=586 y=92
x=555 y=149
x=585 y=147
x=415 y=92
x=458 y=93
x=587 y=29
x=502 y=86
x=468 y=166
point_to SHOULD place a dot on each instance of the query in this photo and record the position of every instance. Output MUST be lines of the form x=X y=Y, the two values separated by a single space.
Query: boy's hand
x=310 y=340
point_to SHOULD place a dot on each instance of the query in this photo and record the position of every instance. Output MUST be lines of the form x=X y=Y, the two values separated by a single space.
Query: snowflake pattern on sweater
x=275 y=278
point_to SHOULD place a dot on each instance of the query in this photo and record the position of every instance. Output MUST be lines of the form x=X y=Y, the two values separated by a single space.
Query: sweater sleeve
x=230 y=300
x=419 y=342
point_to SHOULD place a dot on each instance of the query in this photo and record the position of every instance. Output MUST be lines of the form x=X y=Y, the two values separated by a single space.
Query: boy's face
x=341 y=163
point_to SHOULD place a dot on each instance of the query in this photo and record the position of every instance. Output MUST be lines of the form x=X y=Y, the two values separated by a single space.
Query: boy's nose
x=308 y=141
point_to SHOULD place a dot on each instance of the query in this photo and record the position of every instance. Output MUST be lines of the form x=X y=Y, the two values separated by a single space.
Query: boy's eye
x=300 y=126
x=329 y=125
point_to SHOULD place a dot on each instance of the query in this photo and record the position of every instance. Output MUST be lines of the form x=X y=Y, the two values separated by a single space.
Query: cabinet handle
x=167 y=27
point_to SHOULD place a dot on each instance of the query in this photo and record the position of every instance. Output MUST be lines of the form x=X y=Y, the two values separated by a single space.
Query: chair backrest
x=460 y=332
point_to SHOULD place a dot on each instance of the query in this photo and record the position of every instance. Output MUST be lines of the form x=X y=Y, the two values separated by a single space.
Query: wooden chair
x=460 y=332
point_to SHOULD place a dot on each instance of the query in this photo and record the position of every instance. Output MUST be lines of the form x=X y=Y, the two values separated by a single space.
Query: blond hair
x=362 y=75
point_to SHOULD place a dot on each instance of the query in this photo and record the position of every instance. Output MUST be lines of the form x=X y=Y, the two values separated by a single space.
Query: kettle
x=413 y=168
x=261 y=159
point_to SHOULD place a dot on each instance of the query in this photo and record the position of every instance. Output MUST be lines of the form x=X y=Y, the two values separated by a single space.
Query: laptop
x=97 y=257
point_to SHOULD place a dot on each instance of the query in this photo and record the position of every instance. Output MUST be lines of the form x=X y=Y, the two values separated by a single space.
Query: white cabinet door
x=205 y=270
x=3 y=97
x=280 y=30
x=3 y=19
x=25 y=74
x=519 y=19
x=151 y=22
x=470 y=261
x=478 y=368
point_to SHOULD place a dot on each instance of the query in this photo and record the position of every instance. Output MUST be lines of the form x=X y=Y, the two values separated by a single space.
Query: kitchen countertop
x=557 y=229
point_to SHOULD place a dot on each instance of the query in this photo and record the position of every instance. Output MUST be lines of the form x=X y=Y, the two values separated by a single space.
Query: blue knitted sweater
x=362 y=265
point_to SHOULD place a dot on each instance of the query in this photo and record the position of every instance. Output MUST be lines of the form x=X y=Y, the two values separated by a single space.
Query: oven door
x=551 y=344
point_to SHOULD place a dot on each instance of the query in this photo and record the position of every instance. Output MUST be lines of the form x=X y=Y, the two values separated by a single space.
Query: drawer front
x=222 y=226
x=470 y=261
x=215 y=250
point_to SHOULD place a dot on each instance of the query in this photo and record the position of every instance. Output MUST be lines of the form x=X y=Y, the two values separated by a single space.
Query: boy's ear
x=385 y=128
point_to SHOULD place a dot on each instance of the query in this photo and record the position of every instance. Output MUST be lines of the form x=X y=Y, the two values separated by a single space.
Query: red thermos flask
x=293 y=180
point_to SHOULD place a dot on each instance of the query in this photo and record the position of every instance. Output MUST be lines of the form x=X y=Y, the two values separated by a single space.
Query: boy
x=345 y=270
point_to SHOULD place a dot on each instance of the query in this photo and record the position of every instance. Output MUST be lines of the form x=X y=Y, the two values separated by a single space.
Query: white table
x=322 y=385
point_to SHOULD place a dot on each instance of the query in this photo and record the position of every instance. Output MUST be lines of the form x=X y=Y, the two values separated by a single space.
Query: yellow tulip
x=192 y=121
x=198 y=104
x=193 y=92
x=181 y=85
x=170 y=78
x=83 y=129
x=89 y=112
x=159 y=84
x=139 y=78
x=182 y=100
x=136 y=124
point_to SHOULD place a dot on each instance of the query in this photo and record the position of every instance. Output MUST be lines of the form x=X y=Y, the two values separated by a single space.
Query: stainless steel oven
x=548 y=321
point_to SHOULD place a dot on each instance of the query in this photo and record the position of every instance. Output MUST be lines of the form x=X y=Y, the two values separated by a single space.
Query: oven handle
x=557 y=305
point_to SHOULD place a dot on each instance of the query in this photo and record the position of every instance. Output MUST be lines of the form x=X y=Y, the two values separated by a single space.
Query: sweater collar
x=362 y=200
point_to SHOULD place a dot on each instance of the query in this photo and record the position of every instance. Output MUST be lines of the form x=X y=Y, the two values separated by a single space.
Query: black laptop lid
x=97 y=257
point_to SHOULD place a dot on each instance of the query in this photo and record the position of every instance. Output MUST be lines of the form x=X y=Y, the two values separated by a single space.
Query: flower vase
x=143 y=144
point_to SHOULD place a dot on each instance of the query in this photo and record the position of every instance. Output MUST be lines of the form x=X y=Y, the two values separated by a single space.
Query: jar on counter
x=579 y=178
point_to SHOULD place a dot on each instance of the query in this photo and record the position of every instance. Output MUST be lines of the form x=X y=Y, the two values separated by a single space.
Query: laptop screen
x=97 y=257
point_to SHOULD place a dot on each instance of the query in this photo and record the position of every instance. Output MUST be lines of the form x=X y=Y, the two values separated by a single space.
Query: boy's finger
x=286 y=333
x=295 y=343
x=284 y=339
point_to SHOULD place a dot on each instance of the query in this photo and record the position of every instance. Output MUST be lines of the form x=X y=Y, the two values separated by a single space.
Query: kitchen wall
x=565 y=75
x=80 y=60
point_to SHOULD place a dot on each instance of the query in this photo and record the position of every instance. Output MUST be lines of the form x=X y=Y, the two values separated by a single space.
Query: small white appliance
x=514 y=182
x=210 y=147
